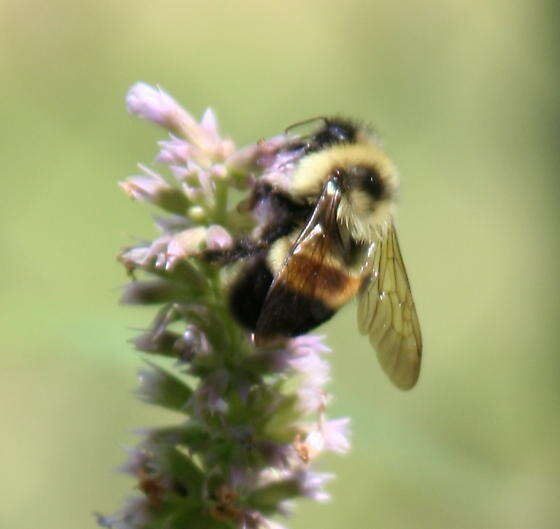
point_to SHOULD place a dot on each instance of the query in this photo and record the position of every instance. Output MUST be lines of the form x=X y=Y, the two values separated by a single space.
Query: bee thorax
x=366 y=220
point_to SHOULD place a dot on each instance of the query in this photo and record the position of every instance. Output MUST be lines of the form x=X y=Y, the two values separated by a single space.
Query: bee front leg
x=242 y=249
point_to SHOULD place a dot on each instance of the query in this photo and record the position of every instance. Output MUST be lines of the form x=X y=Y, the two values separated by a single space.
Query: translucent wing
x=294 y=303
x=386 y=312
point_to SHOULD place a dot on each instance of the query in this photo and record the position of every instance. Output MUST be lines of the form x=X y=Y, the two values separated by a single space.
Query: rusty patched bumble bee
x=328 y=236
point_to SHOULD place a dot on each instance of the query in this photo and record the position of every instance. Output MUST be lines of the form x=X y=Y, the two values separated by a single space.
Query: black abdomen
x=249 y=290
x=288 y=313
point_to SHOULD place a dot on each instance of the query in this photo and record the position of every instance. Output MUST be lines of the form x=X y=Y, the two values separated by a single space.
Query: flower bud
x=152 y=188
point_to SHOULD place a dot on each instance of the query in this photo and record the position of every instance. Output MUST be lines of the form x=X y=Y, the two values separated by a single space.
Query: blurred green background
x=465 y=94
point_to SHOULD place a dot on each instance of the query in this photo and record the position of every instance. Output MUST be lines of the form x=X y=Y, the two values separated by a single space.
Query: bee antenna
x=305 y=122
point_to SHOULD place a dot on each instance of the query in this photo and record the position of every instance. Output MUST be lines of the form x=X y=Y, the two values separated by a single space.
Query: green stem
x=220 y=209
x=234 y=335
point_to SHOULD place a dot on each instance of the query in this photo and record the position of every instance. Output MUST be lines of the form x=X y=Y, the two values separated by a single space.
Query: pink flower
x=148 y=187
x=221 y=148
x=311 y=484
x=219 y=171
x=307 y=343
x=255 y=157
x=336 y=433
x=312 y=399
x=313 y=368
x=326 y=435
x=134 y=257
x=157 y=106
x=143 y=256
x=218 y=238
x=209 y=124
x=271 y=475
x=269 y=524
x=136 y=461
x=329 y=435
x=185 y=244
x=173 y=151
x=204 y=179
x=153 y=104
x=180 y=172
x=256 y=414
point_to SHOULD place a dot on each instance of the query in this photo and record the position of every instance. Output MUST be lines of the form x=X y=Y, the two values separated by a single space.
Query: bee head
x=367 y=200
x=334 y=131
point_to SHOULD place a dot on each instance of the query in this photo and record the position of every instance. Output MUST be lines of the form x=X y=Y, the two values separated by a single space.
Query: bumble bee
x=323 y=238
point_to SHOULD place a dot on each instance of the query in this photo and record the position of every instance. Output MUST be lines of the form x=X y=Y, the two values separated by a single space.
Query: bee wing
x=290 y=307
x=386 y=312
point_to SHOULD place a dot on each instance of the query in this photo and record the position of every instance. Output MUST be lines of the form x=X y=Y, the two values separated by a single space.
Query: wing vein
x=387 y=313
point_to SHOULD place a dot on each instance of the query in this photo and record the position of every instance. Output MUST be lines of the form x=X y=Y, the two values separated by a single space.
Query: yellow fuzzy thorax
x=314 y=169
x=366 y=219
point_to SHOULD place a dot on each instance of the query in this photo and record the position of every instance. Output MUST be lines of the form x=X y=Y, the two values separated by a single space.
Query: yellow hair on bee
x=313 y=170
x=278 y=253
x=366 y=218
x=365 y=228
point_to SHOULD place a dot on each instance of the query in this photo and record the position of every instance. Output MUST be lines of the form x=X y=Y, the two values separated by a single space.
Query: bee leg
x=242 y=249
x=269 y=342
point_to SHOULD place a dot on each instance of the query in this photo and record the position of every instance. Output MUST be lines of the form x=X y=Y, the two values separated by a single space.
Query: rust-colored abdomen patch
x=327 y=282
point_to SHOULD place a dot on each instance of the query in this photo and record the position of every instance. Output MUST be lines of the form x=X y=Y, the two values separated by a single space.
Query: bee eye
x=338 y=133
x=368 y=179
x=374 y=186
